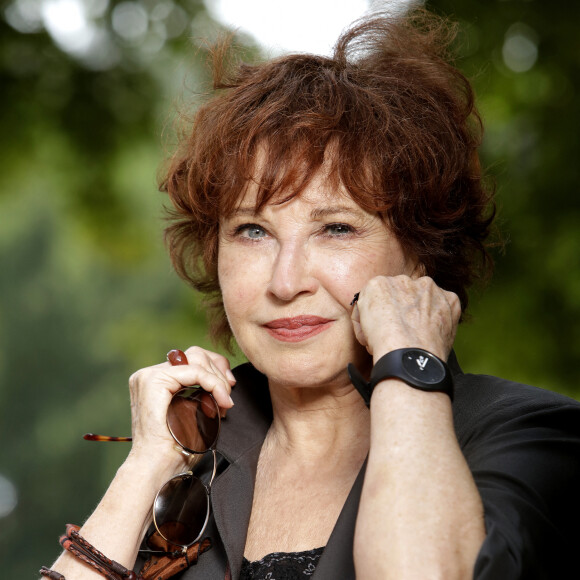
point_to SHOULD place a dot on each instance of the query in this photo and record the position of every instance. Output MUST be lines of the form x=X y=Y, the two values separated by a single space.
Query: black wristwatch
x=415 y=366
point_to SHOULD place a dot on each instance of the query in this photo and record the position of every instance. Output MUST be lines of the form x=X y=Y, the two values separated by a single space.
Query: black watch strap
x=415 y=366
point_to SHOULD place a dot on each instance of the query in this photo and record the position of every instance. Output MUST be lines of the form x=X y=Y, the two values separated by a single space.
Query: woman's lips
x=297 y=328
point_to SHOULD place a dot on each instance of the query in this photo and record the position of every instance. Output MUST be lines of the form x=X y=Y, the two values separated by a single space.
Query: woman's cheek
x=347 y=274
x=341 y=265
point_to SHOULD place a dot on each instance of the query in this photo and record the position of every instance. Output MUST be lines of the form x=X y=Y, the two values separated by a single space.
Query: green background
x=87 y=294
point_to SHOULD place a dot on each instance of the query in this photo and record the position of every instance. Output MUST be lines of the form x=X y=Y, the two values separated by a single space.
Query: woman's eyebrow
x=316 y=214
x=324 y=212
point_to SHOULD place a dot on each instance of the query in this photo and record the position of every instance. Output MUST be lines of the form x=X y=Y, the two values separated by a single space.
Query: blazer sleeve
x=522 y=445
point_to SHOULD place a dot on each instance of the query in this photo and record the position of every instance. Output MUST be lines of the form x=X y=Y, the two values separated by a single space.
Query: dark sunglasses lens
x=181 y=510
x=193 y=419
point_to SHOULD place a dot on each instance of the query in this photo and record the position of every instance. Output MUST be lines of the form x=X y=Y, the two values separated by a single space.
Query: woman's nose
x=291 y=273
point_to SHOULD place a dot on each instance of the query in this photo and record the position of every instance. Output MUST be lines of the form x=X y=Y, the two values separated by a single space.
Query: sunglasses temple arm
x=95 y=437
x=214 y=471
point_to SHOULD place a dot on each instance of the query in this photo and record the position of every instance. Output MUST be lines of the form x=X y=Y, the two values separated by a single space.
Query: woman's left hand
x=402 y=312
x=420 y=513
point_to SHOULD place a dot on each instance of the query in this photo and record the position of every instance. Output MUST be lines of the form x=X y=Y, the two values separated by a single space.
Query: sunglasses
x=182 y=506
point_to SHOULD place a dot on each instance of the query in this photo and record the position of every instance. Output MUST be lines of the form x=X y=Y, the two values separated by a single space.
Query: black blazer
x=521 y=443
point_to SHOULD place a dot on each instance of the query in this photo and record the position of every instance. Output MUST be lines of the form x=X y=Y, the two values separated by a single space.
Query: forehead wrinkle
x=247 y=210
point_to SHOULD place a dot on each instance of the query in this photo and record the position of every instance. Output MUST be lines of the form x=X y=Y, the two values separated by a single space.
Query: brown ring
x=177 y=357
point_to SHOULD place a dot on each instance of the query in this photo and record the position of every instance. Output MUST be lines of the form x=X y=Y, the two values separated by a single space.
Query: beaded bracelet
x=73 y=542
x=52 y=574
x=158 y=568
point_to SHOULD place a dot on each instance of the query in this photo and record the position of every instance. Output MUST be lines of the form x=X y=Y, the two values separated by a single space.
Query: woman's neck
x=313 y=423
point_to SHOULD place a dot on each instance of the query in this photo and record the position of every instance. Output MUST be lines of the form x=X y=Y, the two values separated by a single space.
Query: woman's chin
x=304 y=370
x=318 y=361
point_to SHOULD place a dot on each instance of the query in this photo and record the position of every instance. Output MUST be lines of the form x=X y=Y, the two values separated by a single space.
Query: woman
x=333 y=211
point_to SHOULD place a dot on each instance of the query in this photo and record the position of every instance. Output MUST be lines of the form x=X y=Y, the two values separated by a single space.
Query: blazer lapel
x=240 y=443
x=232 y=496
x=337 y=560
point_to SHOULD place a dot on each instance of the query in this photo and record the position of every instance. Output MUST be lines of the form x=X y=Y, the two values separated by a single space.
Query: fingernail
x=230 y=376
x=232 y=401
x=355 y=299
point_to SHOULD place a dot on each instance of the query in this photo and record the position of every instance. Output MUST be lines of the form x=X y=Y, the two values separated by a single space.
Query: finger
x=229 y=389
x=360 y=336
x=356 y=325
x=214 y=368
x=452 y=298
x=454 y=305
x=212 y=361
x=208 y=378
x=172 y=378
x=355 y=314
x=221 y=362
x=177 y=357
x=418 y=271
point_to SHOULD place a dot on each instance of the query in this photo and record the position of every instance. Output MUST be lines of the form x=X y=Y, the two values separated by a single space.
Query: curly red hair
x=402 y=128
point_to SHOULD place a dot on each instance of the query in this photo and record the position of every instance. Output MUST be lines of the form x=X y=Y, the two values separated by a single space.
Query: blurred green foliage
x=87 y=294
x=524 y=59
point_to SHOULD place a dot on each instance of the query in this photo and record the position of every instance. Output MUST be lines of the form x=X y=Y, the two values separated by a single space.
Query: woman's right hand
x=118 y=524
x=151 y=390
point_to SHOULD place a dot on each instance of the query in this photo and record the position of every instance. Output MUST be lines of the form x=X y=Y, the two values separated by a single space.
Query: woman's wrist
x=391 y=394
x=152 y=472
x=415 y=367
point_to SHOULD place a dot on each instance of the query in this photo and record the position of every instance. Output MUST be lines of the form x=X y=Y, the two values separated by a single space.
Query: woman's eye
x=338 y=229
x=252 y=231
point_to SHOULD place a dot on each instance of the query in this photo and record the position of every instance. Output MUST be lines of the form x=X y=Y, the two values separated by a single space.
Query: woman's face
x=288 y=275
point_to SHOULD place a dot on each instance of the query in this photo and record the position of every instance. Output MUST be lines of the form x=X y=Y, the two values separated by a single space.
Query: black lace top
x=282 y=566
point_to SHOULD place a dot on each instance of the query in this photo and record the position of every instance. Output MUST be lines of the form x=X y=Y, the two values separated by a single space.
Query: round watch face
x=423 y=366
